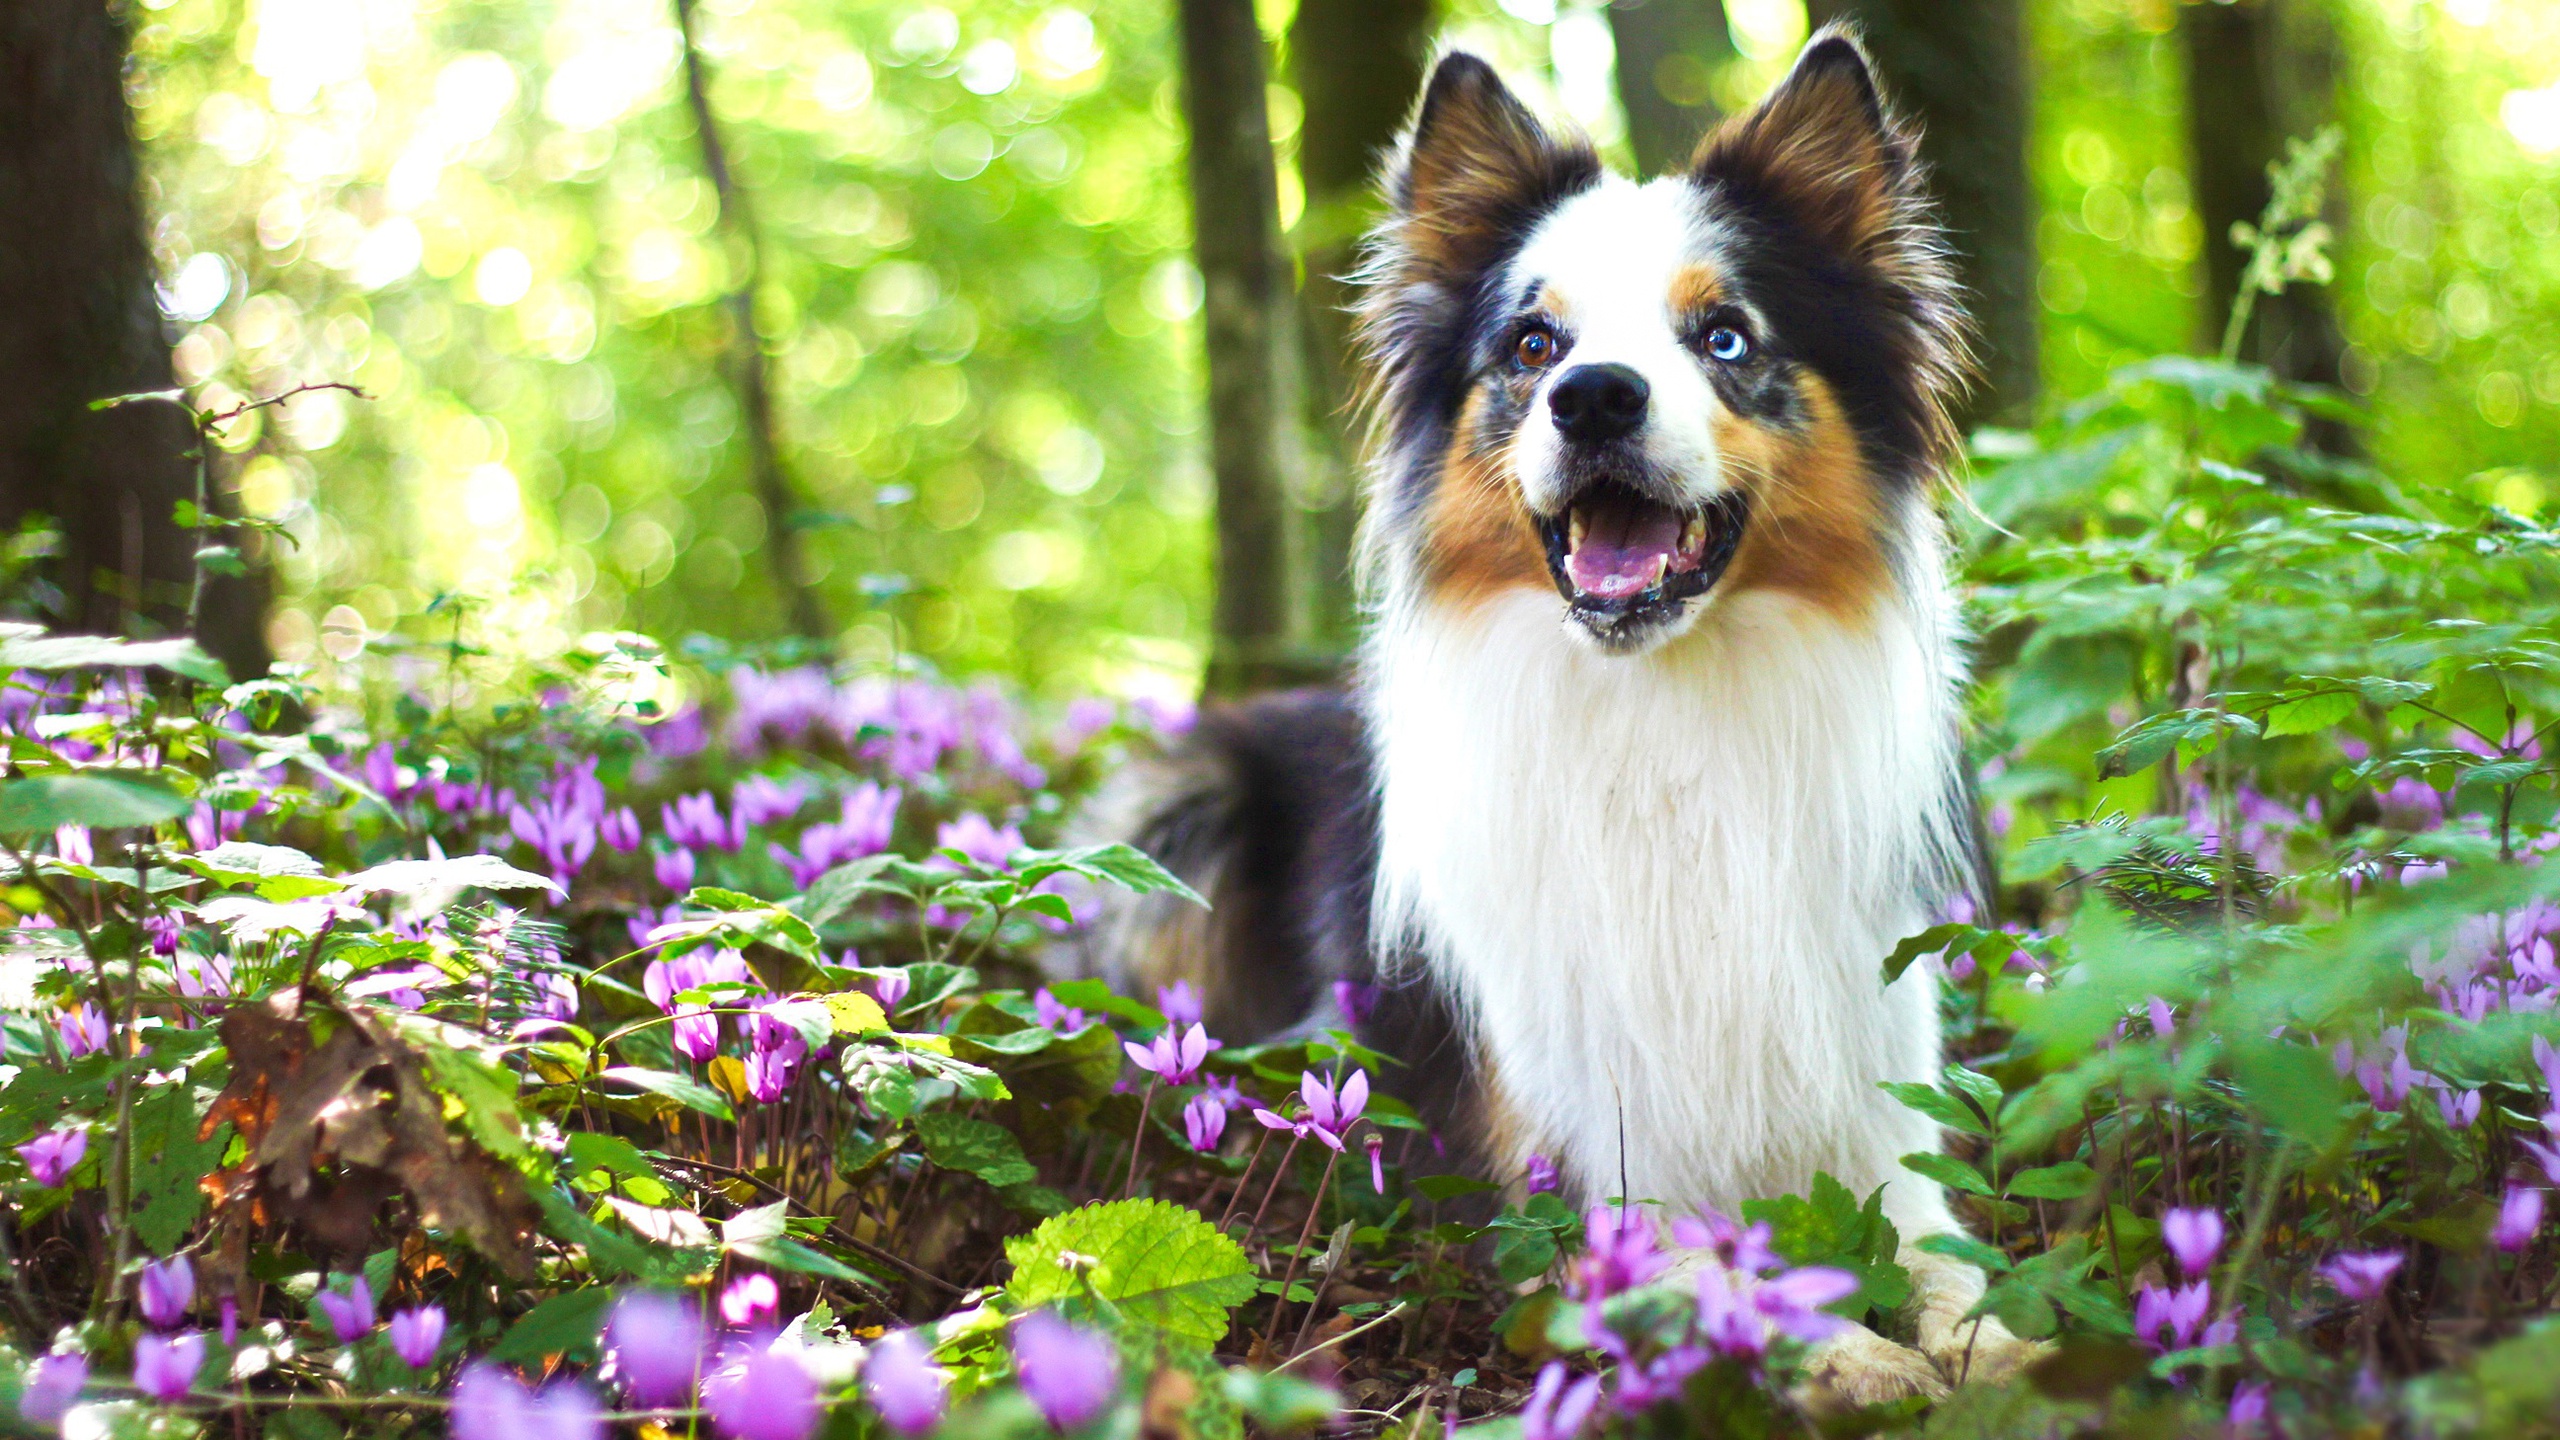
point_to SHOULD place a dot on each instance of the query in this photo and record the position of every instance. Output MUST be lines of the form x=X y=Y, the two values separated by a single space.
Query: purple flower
x=1619 y=1253
x=229 y=1325
x=890 y=988
x=53 y=1387
x=901 y=1381
x=2460 y=1108
x=1542 y=1175
x=674 y=869
x=1641 y=1387
x=2171 y=1319
x=203 y=977
x=1556 y=1411
x=761 y=801
x=2194 y=1237
x=978 y=839
x=165 y=1366
x=350 y=1311
x=84 y=1030
x=750 y=1300
x=1063 y=1018
x=1204 y=1120
x=562 y=833
x=1333 y=1111
x=762 y=1394
x=1793 y=1301
x=1742 y=1248
x=165 y=1290
x=1172 y=1061
x=1355 y=1000
x=2362 y=1277
x=1377 y=1163
x=2248 y=1408
x=657 y=1342
x=1180 y=1003
x=1070 y=1374
x=490 y=1403
x=771 y=1069
x=51 y=1156
x=620 y=829
x=415 y=1334
x=694 y=822
x=2518 y=1218
x=164 y=931
x=1086 y=717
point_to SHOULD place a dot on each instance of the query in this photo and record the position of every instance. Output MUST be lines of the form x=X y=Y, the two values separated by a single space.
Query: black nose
x=1596 y=403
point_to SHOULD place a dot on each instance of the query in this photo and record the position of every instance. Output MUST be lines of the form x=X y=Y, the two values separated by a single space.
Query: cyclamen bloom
x=1377 y=1164
x=52 y=1155
x=2518 y=1218
x=657 y=1343
x=674 y=869
x=750 y=1300
x=620 y=829
x=2248 y=1408
x=1742 y=1248
x=974 y=836
x=1203 y=1121
x=761 y=801
x=694 y=822
x=164 y=1291
x=350 y=1311
x=165 y=1366
x=84 y=1030
x=1541 y=1176
x=901 y=1381
x=1354 y=1000
x=2194 y=1237
x=1619 y=1254
x=1330 y=1112
x=416 y=1334
x=1170 y=1060
x=2362 y=1277
x=1556 y=1410
x=890 y=988
x=1069 y=1374
x=1739 y=1314
x=2171 y=1319
x=1063 y=1018
x=490 y=1403
x=763 y=1394
x=1179 y=1003
x=53 y=1387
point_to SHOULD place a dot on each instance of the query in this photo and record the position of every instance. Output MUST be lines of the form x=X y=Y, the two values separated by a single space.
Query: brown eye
x=1536 y=350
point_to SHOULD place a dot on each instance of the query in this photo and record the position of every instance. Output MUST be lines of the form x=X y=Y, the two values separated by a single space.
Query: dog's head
x=1650 y=395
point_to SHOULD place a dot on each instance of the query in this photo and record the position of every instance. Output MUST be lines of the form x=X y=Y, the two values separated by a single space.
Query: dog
x=1654 y=752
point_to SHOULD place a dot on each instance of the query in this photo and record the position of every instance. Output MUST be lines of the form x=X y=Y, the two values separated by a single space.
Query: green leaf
x=1989 y=1259
x=684 y=1090
x=1949 y=1171
x=2310 y=713
x=23 y=651
x=2067 y=1181
x=1827 y=1226
x=169 y=1163
x=409 y=877
x=221 y=560
x=1927 y=942
x=1981 y=1089
x=1450 y=1187
x=1946 y=1109
x=566 y=1324
x=1125 y=866
x=277 y=872
x=99 y=799
x=977 y=1147
x=1158 y=1263
x=2496 y=773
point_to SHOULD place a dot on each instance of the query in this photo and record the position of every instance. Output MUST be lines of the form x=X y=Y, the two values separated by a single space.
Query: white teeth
x=1693 y=536
x=1579 y=525
x=1661 y=567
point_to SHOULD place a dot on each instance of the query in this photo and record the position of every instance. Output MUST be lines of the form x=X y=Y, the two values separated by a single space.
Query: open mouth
x=1621 y=558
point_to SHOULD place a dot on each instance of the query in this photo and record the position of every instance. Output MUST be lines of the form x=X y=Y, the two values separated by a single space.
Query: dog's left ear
x=1825 y=149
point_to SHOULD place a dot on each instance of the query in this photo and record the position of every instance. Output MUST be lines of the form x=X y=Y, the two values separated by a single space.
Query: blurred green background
x=982 y=314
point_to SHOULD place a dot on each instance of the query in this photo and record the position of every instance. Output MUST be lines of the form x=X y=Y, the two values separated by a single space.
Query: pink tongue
x=1620 y=548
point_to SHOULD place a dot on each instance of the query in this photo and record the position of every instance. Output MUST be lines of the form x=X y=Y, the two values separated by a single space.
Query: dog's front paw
x=1858 y=1368
x=1981 y=1350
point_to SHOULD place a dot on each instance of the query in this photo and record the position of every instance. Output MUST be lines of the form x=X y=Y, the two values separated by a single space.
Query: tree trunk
x=1357 y=66
x=79 y=321
x=2259 y=71
x=1668 y=54
x=1248 y=323
x=1959 y=66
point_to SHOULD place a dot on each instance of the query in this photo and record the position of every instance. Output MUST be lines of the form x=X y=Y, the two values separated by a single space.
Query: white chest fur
x=1664 y=883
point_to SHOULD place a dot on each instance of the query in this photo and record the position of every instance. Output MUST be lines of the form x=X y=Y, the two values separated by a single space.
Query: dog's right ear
x=1474 y=167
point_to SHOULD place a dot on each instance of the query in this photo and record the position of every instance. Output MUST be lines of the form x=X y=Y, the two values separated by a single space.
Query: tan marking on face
x=1815 y=520
x=1695 y=289
x=1477 y=540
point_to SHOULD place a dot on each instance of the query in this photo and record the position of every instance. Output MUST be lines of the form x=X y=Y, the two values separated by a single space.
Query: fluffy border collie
x=1654 y=754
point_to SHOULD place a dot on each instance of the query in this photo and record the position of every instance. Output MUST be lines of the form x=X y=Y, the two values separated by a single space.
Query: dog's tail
x=1267 y=809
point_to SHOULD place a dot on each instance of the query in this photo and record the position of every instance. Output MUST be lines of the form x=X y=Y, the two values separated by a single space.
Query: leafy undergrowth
x=434 y=1046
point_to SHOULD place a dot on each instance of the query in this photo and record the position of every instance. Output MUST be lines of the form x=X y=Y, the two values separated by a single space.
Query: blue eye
x=1727 y=344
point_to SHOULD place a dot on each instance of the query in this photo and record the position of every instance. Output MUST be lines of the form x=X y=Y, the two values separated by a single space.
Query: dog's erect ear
x=1825 y=149
x=1475 y=164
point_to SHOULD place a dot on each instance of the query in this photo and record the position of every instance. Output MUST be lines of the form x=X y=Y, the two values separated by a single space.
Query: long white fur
x=1663 y=882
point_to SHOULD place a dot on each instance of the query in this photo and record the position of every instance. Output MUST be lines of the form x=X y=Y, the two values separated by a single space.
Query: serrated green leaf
x=977 y=1147
x=1158 y=1263
x=169 y=1165
x=2309 y=714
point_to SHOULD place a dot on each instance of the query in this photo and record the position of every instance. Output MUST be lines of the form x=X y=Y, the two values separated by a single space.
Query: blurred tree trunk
x=1248 y=321
x=2258 y=72
x=79 y=321
x=1357 y=66
x=1959 y=66
x=1668 y=54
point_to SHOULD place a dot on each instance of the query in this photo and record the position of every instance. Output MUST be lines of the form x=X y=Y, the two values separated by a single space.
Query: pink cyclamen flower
x=890 y=988
x=1793 y=1302
x=974 y=836
x=1355 y=1000
x=674 y=869
x=694 y=823
x=1069 y=1374
x=1179 y=1003
x=2171 y=1319
x=350 y=1311
x=490 y=1403
x=1744 y=1248
x=2194 y=1237
x=1203 y=1121
x=55 y=1154
x=164 y=1291
x=657 y=1342
x=2362 y=1277
x=1619 y=1253
x=762 y=1394
x=1170 y=1060
x=2248 y=1408
x=750 y=1300
x=53 y=1387
x=1054 y=1014
x=1557 y=1410
x=2518 y=1218
x=2460 y=1108
x=1377 y=1165
x=229 y=1324
x=165 y=1366
x=415 y=1335
x=901 y=1381
x=1541 y=1176
x=620 y=829
x=84 y=1030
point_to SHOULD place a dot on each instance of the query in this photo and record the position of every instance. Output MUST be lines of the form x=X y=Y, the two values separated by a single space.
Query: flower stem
x=1244 y=1180
x=1306 y=1232
x=1276 y=1177
x=1138 y=1137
